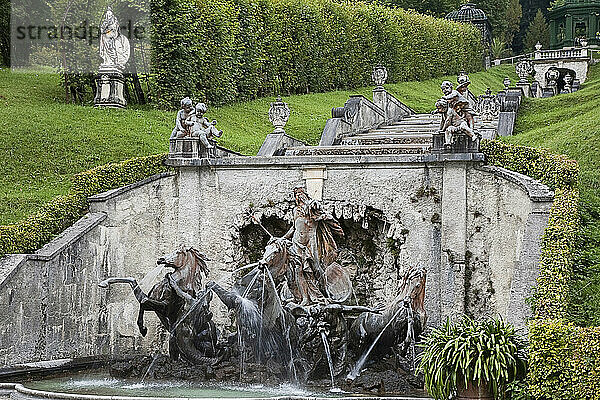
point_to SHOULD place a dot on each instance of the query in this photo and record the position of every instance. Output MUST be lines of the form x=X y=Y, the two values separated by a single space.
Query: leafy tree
x=538 y=31
x=498 y=48
x=513 y=15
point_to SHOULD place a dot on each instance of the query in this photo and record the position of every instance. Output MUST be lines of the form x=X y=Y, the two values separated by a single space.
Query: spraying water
x=150 y=278
x=154 y=358
x=357 y=368
x=328 y=353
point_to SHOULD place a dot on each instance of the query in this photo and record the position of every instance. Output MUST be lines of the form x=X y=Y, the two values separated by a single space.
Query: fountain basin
x=97 y=386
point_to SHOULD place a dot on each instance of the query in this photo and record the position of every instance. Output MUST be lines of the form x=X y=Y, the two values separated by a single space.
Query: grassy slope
x=569 y=124
x=45 y=141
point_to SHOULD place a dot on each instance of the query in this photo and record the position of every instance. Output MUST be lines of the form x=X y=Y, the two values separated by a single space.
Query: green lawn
x=570 y=124
x=45 y=141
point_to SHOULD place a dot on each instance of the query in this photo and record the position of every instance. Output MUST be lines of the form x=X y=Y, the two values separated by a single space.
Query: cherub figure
x=181 y=128
x=200 y=127
x=458 y=102
x=452 y=122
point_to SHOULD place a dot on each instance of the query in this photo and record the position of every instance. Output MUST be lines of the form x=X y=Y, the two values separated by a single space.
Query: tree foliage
x=537 y=32
x=5 y=32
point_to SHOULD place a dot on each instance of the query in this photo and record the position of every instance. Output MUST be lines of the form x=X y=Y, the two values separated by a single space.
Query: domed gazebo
x=470 y=13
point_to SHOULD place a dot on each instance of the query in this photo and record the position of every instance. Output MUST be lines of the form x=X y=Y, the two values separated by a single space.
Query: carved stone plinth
x=460 y=144
x=191 y=148
x=109 y=89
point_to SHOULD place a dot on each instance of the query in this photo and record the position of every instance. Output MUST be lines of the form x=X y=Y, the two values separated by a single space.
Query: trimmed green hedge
x=222 y=51
x=114 y=175
x=556 y=261
x=554 y=170
x=564 y=360
x=39 y=228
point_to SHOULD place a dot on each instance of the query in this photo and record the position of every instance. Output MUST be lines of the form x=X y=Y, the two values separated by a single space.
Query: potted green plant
x=472 y=359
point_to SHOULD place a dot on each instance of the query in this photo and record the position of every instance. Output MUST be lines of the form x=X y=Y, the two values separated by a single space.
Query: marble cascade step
x=392 y=138
x=377 y=149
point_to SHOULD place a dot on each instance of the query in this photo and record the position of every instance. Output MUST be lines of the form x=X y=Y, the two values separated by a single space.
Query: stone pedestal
x=526 y=87
x=380 y=99
x=189 y=147
x=461 y=144
x=109 y=88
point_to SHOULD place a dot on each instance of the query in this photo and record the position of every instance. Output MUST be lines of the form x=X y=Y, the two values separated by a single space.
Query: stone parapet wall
x=476 y=229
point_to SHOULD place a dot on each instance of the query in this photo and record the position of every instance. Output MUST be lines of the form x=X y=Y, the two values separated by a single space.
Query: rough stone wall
x=52 y=305
x=396 y=213
x=55 y=308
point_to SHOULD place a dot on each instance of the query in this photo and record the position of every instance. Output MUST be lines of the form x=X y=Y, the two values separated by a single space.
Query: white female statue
x=114 y=47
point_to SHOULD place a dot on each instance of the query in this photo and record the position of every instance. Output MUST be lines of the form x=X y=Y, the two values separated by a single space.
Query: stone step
x=410 y=126
x=401 y=131
x=389 y=139
x=379 y=149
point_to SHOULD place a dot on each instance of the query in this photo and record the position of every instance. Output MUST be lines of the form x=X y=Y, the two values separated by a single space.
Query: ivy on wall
x=222 y=51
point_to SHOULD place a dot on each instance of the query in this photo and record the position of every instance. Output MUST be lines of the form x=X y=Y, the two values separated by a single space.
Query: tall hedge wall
x=564 y=360
x=228 y=50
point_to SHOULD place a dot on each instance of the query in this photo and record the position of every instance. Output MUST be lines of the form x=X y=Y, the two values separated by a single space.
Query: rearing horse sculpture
x=181 y=305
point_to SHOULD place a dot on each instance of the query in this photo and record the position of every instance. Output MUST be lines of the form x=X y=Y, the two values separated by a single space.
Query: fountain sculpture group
x=294 y=307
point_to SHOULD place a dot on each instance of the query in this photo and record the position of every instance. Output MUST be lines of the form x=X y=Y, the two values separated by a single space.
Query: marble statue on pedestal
x=114 y=50
x=457 y=119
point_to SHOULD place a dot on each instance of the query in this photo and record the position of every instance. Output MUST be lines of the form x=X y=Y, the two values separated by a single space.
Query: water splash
x=329 y=361
x=149 y=279
x=154 y=358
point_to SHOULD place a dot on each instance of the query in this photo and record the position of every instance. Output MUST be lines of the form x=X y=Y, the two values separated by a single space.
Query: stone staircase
x=411 y=135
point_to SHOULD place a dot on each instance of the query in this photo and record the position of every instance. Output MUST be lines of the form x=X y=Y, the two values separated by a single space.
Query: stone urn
x=473 y=391
x=583 y=42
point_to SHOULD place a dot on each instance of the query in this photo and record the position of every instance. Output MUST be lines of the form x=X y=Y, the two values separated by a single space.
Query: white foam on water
x=284 y=389
x=92 y=382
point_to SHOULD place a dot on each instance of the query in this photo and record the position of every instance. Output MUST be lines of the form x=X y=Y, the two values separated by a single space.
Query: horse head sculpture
x=189 y=265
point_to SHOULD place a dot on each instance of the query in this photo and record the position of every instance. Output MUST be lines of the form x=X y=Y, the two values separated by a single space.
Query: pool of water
x=100 y=384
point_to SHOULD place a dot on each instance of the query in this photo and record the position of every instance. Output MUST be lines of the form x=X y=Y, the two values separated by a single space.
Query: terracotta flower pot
x=474 y=391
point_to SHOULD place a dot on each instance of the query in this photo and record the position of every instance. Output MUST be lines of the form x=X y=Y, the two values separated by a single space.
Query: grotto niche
x=323 y=295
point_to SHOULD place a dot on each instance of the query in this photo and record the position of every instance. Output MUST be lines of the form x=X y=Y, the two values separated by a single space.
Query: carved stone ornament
x=488 y=106
x=538 y=46
x=279 y=113
x=462 y=78
x=379 y=75
x=524 y=69
x=568 y=79
x=506 y=83
x=552 y=75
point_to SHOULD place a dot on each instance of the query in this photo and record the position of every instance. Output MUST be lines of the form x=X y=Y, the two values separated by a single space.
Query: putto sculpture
x=457 y=116
x=190 y=123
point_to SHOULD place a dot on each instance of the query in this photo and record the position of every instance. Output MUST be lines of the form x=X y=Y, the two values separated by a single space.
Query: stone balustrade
x=581 y=52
